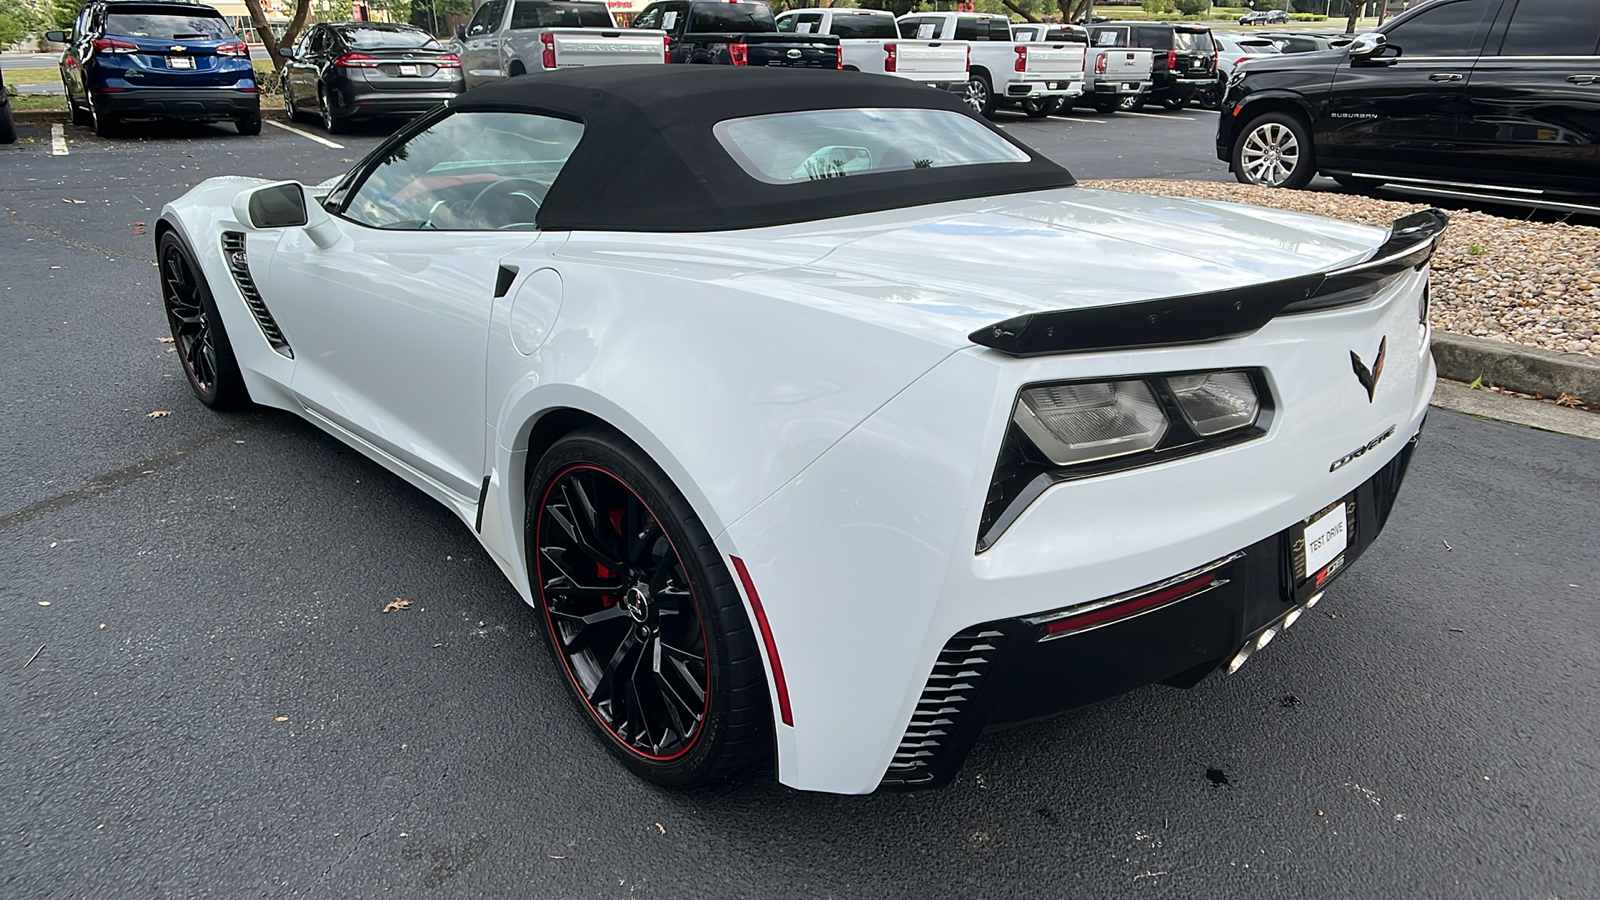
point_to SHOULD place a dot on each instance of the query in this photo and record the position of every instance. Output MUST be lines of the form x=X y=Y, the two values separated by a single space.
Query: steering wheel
x=509 y=201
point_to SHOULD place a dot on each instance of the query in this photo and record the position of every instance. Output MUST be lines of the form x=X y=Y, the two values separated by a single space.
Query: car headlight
x=1215 y=402
x=1079 y=423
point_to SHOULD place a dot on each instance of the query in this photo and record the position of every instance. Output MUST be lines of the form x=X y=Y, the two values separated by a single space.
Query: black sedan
x=352 y=71
x=1264 y=17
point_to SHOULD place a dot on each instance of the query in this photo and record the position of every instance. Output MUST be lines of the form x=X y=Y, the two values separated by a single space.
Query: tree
x=297 y=24
x=18 y=19
x=1193 y=7
x=64 y=12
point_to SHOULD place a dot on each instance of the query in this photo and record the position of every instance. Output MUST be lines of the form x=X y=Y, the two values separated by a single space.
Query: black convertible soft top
x=648 y=160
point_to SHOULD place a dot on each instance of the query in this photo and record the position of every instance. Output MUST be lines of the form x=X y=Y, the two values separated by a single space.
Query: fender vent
x=233 y=254
x=960 y=669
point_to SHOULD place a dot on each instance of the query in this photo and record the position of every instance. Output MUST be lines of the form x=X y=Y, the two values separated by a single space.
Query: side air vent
x=960 y=669
x=239 y=265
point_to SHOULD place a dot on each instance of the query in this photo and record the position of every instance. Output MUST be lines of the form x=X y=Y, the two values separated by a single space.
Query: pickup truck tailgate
x=575 y=47
x=1053 y=59
x=1121 y=64
x=928 y=58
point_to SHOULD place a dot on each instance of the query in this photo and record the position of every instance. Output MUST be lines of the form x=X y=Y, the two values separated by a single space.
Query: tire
x=331 y=123
x=1041 y=108
x=80 y=116
x=1175 y=103
x=197 y=329
x=250 y=124
x=1132 y=104
x=980 y=95
x=582 y=494
x=8 y=128
x=104 y=125
x=1274 y=150
x=1106 y=107
x=288 y=104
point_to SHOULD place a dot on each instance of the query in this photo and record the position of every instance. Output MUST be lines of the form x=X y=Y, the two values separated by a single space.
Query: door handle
x=1583 y=79
x=1446 y=76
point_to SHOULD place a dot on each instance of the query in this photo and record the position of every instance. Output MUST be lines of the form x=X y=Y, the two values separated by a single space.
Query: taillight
x=449 y=61
x=1172 y=59
x=739 y=54
x=1100 y=65
x=356 y=61
x=666 y=49
x=1240 y=60
x=1216 y=58
x=969 y=57
x=548 y=58
x=239 y=50
x=110 y=45
x=838 y=56
x=1022 y=59
x=891 y=53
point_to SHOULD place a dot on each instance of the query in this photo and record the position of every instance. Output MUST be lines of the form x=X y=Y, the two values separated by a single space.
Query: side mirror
x=284 y=205
x=56 y=37
x=461 y=32
x=1368 y=45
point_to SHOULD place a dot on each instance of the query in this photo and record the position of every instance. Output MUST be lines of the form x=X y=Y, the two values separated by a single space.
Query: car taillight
x=666 y=49
x=356 y=61
x=1172 y=59
x=838 y=56
x=448 y=61
x=969 y=57
x=739 y=54
x=1216 y=58
x=111 y=45
x=891 y=53
x=1240 y=60
x=1100 y=65
x=548 y=57
x=239 y=50
x=1022 y=59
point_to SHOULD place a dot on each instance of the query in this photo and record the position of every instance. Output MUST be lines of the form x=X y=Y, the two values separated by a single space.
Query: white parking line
x=58 y=140
x=1129 y=112
x=1084 y=121
x=305 y=134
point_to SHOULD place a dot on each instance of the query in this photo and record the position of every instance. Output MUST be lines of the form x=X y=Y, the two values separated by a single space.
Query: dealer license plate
x=1320 y=541
x=408 y=70
x=180 y=62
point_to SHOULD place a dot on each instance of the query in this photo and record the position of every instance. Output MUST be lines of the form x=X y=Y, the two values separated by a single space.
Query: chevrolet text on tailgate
x=1036 y=75
x=736 y=34
x=507 y=38
x=870 y=42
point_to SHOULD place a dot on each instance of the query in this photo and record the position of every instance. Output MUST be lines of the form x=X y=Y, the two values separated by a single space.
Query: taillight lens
x=1216 y=57
x=1172 y=59
x=356 y=61
x=239 y=50
x=111 y=45
x=838 y=56
x=1100 y=65
x=969 y=57
x=1079 y=423
x=891 y=53
x=1215 y=402
x=448 y=61
x=739 y=54
x=548 y=57
x=666 y=49
x=1022 y=59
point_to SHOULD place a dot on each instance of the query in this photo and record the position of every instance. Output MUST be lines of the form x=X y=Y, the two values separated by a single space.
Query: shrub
x=1193 y=7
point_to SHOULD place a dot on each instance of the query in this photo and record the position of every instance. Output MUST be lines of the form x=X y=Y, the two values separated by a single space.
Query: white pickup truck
x=1111 y=75
x=871 y=43
x=1036 y=75
x=513 y=37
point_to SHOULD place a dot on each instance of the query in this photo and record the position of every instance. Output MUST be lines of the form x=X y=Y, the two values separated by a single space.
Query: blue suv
x=161 y=60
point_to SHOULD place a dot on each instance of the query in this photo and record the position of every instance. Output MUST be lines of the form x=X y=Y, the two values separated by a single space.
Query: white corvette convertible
x=769 y=390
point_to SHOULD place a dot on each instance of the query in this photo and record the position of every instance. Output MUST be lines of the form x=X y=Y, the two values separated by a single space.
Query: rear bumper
x=1111 y=88
x=390 y=103
x=1009 y=671
x=198 y=104
x=1031 y=90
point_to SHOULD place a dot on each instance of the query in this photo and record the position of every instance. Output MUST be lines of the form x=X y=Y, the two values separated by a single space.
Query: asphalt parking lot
x=220 y=708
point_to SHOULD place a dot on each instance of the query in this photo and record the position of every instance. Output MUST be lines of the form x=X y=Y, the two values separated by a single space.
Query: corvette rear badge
x=1369 y=377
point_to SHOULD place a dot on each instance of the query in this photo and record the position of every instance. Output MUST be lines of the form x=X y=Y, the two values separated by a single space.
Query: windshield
x=736 y=18
x=788 y=148
x=560 y=14
x=859 y=26
x=389 y=39
x=169 y=27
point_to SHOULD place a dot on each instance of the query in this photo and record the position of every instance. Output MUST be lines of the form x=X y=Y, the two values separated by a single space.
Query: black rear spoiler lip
x=1217 y=315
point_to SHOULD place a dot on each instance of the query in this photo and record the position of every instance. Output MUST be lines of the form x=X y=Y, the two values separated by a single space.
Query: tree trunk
x=297 y=23
x=1026 y=16
x=1355 y=13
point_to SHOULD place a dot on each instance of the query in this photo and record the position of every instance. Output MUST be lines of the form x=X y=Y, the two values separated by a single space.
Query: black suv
x=1496 y=98
x=1184 y=58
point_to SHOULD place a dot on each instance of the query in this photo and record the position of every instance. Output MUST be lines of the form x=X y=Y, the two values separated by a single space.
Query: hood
x=1069 y=249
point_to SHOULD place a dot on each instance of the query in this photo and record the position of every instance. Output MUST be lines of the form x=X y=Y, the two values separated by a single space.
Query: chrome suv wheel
x=1274 y=150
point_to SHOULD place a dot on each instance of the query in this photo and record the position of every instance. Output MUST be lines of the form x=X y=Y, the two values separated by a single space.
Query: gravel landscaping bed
x=1504 y=279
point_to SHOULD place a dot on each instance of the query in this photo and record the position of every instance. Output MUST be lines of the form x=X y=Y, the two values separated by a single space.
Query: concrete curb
x=1519 y=368
x=1515 y=410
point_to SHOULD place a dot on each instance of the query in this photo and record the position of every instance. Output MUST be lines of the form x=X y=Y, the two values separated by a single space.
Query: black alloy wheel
x=288 y=103
x=331 y=123
x=642 y=614
x=197 y=332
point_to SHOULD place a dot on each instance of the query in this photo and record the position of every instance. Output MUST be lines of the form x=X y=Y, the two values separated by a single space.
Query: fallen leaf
x=164 y=340
x=172 y=349
x=396 y=603
x=138 y=229
x=661 y=828
x=553 y=856
x=281 y=719
x=53 y=543
x=1568 y=400
x=45 y=602
x=70 y=200
x=158 y=414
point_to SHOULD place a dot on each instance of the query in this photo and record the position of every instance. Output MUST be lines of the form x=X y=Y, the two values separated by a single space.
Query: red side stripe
x=766 y=638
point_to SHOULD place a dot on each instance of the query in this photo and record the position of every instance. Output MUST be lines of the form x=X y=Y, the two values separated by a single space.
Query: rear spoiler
x=1217 y=315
